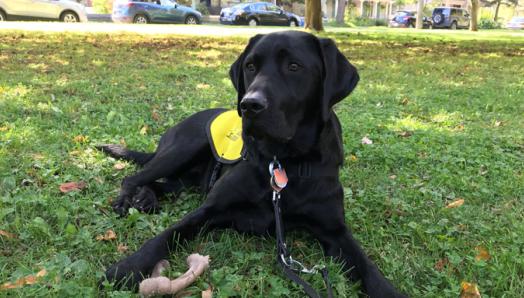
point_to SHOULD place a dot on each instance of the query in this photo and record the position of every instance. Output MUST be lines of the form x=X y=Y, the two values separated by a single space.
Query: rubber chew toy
x=161 y=285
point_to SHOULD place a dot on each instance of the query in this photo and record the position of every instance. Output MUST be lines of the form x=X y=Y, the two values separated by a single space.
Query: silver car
x=63 y=10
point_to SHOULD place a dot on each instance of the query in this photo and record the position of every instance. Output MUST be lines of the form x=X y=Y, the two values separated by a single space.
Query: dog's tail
x=118 y=151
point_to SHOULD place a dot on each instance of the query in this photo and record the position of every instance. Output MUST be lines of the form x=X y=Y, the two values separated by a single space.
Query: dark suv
x=450 y=17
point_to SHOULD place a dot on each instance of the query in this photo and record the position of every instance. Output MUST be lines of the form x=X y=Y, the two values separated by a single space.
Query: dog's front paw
x=381 y=287
x=146 y=201
x=121 y=205
x=123 y=276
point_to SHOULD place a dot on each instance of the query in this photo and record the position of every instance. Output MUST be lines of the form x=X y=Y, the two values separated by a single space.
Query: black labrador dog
x=287 y=84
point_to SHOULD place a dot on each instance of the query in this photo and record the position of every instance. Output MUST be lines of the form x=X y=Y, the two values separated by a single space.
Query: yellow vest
x=225 y=136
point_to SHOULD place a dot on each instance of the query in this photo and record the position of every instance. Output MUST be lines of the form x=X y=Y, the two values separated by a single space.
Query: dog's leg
x=130 y=271
x=340 y=244
x=169 y=163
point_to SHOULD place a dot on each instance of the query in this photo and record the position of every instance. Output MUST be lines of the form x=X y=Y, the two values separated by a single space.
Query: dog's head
x=287 y=84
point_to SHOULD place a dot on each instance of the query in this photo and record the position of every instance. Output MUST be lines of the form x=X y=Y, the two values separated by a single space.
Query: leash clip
x=299 y=267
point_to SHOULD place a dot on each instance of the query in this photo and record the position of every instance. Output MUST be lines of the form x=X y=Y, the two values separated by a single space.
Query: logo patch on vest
x=224 y=132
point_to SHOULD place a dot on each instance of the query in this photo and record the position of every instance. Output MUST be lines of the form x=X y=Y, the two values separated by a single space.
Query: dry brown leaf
x=109 y=235
x=457 y=203
x=202 y=86
x=155 y=115
x=207 y=293
x=405 y=101
x=441 y=263
x=119 y=166
x=469 y=290
x=144 y=130
x=26 y=280
x=7 y=234
x=72 y=186
x=123 y=142
x=393 y=177
x=354 y=157
x=121 y=248
x=482 y=254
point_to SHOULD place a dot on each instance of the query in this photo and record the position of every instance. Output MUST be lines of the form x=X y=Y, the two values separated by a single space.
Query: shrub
x=202 y=8
x=489 y=24
x=366 y=22
x=103 y=6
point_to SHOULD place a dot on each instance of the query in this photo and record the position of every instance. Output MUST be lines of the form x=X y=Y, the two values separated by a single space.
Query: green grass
x=460 y=97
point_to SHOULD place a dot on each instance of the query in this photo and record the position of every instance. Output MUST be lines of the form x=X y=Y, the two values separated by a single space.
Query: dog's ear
x=235 y=72
x=339 y=78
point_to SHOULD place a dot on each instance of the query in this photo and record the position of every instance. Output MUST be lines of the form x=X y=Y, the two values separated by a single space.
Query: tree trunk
x=420 y=10
x=497 y=11
x=314 y=15
x=341 y=9
x=473 y=26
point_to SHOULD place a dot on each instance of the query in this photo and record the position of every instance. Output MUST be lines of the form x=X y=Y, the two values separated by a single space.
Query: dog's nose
x=253 y=105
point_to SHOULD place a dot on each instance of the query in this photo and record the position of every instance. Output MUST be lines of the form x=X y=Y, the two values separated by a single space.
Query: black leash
x=289 y=265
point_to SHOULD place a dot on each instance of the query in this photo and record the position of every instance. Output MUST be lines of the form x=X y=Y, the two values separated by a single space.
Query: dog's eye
x=250 y=67
x=293 y=67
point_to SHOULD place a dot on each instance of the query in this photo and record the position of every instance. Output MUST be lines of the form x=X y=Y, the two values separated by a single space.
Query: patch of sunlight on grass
x=442 y=121
x=98 y=62
x=9 y=92
x=408 y=123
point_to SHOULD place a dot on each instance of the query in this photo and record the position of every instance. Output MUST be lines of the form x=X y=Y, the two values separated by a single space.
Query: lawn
x=444 y=112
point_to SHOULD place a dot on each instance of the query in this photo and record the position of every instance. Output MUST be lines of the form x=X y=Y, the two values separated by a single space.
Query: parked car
x=408 y=19
x=63 y=10
x=259 y=13
x=516 y=23
x=154 y=11
x=450 y=17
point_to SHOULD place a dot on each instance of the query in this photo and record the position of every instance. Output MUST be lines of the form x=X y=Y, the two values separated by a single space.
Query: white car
x=63 y=10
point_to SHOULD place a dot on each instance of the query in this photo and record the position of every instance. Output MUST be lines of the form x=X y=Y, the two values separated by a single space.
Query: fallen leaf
x=405 y=101
x=144 y=130
x=460 y=126
x=457 y=203
x=7 y=234
x=469 y=290
x=121 y=248
x=4 y=128
x=393 y=177
x=123 y=142
x=482 y=254
x=119 y=166
x=109 y=235
x=366 y=141
x=441 y=263
x=80 y=139
x=207 y=293
x=155 y=115
x=26 y=280
x=405 y=134
x=72 y=186
x=353 y=157
x=498 y=123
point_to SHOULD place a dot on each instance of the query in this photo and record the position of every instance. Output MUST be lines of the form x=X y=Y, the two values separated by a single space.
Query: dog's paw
x=146 y=201
x=123 y=276
x=381 y=287
x=121 y=205
x=114 y=150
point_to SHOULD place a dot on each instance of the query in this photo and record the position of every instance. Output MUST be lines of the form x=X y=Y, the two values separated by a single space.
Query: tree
x=341 y=9
x=497 y=3
x=314 y=15
x=473 y=26
x=420 y=10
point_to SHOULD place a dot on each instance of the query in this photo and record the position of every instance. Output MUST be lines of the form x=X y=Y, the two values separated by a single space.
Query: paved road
x=102 y=27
